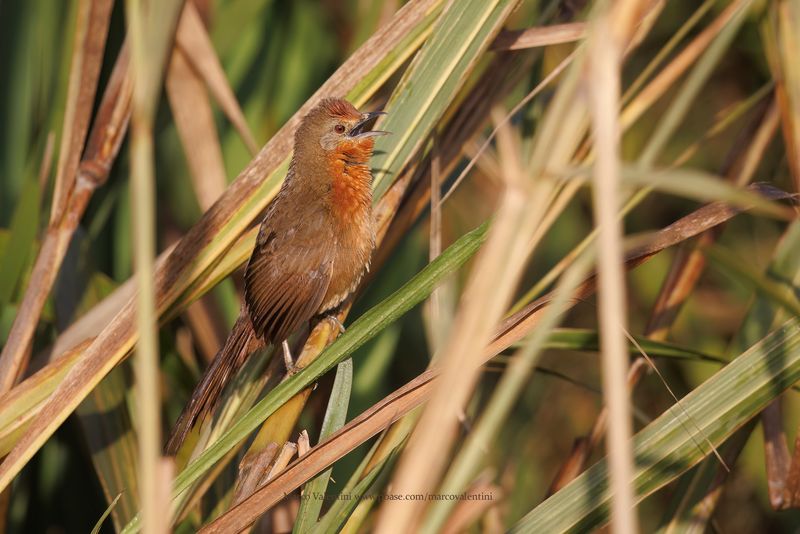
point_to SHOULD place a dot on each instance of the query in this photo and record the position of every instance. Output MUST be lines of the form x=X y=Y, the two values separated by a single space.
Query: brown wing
x=285 y=280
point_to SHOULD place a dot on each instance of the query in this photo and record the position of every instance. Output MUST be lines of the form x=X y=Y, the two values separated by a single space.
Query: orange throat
x=351 y=182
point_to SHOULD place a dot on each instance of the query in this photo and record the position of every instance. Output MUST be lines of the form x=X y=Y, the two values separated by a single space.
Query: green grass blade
x=461 y=34
x=676 y=440
x=335 y=416
x=762 y=315
x=99 y=524
x=778 y=290
x=583 y=339
x=335 y=519
x=703 y=187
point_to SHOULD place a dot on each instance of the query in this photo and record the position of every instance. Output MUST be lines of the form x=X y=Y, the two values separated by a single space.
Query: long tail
x=228 y=360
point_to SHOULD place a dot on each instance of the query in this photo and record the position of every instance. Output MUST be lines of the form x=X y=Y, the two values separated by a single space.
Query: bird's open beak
x=363 y=127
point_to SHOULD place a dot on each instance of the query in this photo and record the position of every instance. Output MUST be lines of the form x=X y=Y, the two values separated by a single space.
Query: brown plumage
x=312 y=249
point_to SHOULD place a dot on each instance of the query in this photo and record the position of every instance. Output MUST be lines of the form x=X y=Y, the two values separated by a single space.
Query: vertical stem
x=143 y=214
x=146 y=362
x=604 y=100
x=435 y=326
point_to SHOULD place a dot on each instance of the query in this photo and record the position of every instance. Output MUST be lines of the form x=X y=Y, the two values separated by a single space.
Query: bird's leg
x=287 y=358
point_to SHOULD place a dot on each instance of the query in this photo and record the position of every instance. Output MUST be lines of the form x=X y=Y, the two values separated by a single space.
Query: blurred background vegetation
x=275 y=54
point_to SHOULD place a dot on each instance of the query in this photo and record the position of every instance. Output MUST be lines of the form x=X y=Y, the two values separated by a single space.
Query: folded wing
x=286 y=280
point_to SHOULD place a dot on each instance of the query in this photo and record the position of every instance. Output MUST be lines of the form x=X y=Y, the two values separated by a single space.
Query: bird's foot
x=291 y=368
x=337 y=323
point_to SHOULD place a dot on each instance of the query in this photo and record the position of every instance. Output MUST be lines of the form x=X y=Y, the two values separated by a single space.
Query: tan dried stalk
x=608 y=39
x=193 y=40
x=151 y=30
x=540 y=36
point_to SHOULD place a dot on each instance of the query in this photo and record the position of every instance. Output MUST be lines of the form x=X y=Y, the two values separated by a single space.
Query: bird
x=313 y=247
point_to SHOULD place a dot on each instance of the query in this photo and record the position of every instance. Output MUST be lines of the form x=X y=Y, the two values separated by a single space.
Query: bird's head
x=336 y=126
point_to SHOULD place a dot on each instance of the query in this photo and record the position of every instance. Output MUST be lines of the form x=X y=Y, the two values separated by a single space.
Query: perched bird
x=312 y=249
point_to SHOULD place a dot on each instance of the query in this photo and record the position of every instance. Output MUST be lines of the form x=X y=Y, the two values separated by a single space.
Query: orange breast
x=351 y=184
x=351 y=215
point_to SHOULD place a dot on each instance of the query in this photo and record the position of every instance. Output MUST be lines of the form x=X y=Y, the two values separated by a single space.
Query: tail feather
x=205 y=396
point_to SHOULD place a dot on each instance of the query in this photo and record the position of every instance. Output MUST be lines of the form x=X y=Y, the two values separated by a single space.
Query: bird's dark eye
x=339 y=129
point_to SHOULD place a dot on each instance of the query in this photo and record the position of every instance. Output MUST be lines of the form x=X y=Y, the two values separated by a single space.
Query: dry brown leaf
x=776 y=454
x=194 y=119
x=685 y=59
x=194 y=42
x=87 y=57
x=253 y=471
x=540 y=36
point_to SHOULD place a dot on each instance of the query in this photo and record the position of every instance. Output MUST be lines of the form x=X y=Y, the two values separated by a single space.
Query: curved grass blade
x=584 y=339
x=99 y=524
x=669 y=446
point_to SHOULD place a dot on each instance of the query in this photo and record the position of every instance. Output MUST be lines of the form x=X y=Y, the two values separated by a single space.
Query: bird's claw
x=291 y=368
x=337 y=323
